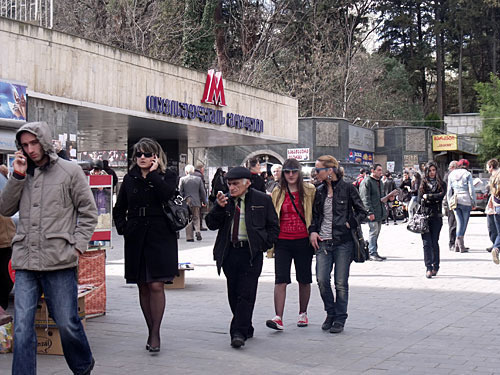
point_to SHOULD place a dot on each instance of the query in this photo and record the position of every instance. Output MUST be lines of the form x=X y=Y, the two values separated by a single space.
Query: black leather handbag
x=361 y=252
x=178 y=212
x=419 y=223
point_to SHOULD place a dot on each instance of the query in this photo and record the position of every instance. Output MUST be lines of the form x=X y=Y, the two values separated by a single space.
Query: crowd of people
x=298 y=220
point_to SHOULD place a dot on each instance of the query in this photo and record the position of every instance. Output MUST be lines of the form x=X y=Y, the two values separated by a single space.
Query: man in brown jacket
x=57 y=216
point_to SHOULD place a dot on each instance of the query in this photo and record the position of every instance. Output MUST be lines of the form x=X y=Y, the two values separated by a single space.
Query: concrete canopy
x=108 y=87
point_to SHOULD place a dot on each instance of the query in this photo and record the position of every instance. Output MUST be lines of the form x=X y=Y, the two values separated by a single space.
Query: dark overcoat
x=139 y=216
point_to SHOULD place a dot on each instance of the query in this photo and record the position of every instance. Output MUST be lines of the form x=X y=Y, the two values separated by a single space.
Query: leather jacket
x=345 y=197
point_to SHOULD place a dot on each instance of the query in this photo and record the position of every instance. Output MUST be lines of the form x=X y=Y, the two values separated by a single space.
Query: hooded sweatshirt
x=460 y=183
x=57 y=212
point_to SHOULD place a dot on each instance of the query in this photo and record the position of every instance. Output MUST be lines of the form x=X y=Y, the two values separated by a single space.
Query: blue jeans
x=61 y=294
x=326 y=256
x=497 y=225
x=375 y=227
x=462 y=214
x=431 y=243
x=492 y=228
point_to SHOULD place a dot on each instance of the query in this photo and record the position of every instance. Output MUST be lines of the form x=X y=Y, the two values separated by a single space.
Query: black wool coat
x=140 y=219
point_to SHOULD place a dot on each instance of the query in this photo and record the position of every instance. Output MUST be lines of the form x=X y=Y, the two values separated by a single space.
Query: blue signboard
x=12 y=101
x=361 y=157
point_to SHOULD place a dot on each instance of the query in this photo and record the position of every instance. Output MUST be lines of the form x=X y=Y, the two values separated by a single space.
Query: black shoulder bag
x=294 y=206
x=361 y=252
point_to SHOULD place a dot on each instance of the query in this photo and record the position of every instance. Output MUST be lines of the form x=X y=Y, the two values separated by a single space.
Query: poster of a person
x=12 y=101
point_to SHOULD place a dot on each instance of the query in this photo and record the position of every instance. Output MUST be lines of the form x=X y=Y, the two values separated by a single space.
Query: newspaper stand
x=92 y=265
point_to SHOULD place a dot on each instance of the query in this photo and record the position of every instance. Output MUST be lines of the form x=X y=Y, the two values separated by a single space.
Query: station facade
x=100 y=100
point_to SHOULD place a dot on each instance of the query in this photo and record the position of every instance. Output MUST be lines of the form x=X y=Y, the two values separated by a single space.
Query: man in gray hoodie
x=57 y=216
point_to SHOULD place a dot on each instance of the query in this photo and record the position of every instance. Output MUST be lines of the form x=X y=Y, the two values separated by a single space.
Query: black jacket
x=432 y=205
x=260 y=218
x=148 y=236
x=258 y=182
x=406 y=195
x=345 y=197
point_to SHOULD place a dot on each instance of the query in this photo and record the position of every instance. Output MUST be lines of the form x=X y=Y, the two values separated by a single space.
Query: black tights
x=152 y=299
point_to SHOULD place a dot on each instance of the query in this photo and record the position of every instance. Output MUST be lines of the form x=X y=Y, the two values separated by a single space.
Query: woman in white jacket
x=460 y=184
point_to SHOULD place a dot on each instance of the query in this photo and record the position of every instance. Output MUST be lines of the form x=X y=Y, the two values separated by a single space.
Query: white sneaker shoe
x=494 y=254
x=302 y=321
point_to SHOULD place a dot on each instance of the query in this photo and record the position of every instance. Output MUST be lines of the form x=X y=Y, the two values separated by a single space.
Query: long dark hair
x=426 y=177
x=292 y=164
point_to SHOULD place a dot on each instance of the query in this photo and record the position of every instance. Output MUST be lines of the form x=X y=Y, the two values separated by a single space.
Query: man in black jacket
x=258 y=182
x=248 y=226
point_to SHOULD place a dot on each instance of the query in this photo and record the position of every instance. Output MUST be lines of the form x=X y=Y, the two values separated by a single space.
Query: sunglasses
x=320 y=169
x=291 y=171
x=138 y=154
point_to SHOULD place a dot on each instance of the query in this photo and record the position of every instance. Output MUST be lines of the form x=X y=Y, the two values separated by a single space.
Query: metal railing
x=38 y=12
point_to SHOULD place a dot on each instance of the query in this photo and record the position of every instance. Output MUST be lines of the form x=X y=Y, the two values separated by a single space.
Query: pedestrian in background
x=256 y=179
x=430 y=195
x=492 y=168
x=337 y=211
x=111 y=172
x=192 y=189
x=247 y=226
x=416 y=181
x=389 y=185
x=200 y=172
x=293 y=202
x=405 y=188
x=371 y=191
x=276 y=176
x=57 y=217
x=494 y=206
x=7 y=231
x=151 y=258
x=452 y=222
x=218 y=184
x=460 y=184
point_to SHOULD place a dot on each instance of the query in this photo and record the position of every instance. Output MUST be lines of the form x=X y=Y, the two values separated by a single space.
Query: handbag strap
x=294 y=206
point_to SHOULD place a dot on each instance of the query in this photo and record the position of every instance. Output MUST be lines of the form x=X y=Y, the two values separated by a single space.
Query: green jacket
x=371 y=193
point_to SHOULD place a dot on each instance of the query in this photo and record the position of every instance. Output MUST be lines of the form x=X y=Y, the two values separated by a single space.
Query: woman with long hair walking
x=430 y=195
x=150 y=243
x=293 y=200
x=460 y=185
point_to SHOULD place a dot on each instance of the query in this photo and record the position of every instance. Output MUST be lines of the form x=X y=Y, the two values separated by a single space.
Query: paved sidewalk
x=399 y=321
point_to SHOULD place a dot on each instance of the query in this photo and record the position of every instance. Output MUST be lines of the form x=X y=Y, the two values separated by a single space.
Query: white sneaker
x=302 y=321
x=494 y=254
x=275 y=323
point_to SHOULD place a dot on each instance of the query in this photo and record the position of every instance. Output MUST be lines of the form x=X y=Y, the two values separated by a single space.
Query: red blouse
x=291 y=226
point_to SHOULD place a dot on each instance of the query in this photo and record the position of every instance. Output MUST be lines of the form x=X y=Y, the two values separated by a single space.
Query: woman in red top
x=293 y=200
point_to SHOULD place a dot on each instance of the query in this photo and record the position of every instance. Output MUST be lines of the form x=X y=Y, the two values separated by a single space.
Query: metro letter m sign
x=214 y=89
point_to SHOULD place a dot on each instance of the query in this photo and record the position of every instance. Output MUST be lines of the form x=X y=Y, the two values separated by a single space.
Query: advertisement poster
x=12 y=101
x=361 y=157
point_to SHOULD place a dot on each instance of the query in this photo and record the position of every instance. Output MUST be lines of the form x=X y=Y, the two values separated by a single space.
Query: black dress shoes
x=327 y=324
x=237 y=341
x=377 y=258
x=337 y=328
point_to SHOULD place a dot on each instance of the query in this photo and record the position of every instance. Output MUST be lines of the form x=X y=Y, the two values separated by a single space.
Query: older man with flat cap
x=248 y=226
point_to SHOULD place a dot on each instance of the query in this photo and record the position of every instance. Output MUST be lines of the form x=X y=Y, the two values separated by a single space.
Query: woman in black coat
x=430 y=195
x=150 y=244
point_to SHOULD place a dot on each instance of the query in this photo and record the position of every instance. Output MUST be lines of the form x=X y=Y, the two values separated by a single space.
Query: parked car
x=482 y=192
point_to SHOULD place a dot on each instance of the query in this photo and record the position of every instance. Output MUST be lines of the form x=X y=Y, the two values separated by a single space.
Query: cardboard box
x=42 y=317
x=178 y=282
x=49 y=340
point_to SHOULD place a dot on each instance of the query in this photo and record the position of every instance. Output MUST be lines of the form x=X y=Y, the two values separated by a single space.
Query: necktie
x=236 y=221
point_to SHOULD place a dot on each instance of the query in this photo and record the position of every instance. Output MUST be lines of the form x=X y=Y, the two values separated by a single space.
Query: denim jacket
x=460 y=183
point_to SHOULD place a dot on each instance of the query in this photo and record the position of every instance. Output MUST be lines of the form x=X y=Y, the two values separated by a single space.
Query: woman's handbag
x=419 y=223
x=452 y=203
x=178 y=212
x=361 y=252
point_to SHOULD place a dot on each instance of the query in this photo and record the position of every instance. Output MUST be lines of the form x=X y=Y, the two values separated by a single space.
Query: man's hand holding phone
x=20 y=163
x=222 y=199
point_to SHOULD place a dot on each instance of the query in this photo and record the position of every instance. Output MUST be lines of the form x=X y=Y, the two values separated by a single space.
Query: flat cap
x=238 y=172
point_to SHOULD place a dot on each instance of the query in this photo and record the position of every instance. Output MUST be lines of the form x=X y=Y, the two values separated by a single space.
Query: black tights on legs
x=152 y=299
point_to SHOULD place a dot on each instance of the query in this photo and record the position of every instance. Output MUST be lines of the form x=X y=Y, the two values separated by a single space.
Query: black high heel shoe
x=148 y=347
